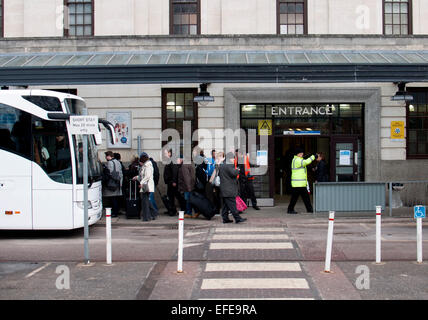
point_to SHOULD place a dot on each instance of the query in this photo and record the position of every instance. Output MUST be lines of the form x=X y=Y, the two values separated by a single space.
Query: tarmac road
x=271 y=256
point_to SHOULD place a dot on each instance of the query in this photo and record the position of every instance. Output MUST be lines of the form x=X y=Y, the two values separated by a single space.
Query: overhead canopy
x=212 y=66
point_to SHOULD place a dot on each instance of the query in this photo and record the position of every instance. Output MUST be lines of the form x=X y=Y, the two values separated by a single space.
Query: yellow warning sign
x=397 y=129
x=265 y=127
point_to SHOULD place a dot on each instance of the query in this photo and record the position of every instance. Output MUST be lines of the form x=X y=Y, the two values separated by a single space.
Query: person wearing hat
x=113 y=195
x=299 y=180
x=147 y=185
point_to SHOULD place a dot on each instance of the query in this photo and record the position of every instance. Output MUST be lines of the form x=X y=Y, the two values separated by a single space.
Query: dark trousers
x=113 y=202
x=213 y=194
x=229 y=204
x=147 y=210
x=247 y=192
x=173 y=194
x=305 y=196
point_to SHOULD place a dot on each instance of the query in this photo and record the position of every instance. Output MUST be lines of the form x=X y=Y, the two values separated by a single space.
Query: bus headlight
x=80 y=204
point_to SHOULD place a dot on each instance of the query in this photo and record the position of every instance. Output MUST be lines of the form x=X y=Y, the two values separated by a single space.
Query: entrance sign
x=302 y=111
x=397 y=130
x=84 y=124
x=345 y=158
x=265 y=127
x=419 y=212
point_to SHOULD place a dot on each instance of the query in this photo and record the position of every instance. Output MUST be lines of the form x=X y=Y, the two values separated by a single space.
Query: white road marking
x=37 y=270
x=251 y=230
x=250 y=237
x=255 y=283
x=253 y=266
x=249 y=245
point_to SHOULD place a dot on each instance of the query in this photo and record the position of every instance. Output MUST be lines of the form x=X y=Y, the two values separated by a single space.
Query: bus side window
x=15 y=131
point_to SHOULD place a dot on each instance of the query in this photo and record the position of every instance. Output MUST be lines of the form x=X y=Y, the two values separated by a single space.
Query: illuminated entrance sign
x=302 y=111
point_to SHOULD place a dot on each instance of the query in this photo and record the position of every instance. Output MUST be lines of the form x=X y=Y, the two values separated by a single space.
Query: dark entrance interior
x=284 y=153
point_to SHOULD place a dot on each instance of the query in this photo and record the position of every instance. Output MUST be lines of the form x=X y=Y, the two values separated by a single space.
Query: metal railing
x=365 y=196
x=406 y=194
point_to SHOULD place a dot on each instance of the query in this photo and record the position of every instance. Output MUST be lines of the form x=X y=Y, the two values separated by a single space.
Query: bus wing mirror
x=110 y=130
x=98 y=137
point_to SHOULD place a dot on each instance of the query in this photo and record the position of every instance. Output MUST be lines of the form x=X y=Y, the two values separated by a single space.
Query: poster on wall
x=121 y=121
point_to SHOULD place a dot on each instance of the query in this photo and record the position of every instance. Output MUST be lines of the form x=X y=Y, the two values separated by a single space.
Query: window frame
x=67 y=31
x=409 y=19
x=165 y=92
x=414 y=156
x=171 y=19
x=2 y=19
x=305 y=19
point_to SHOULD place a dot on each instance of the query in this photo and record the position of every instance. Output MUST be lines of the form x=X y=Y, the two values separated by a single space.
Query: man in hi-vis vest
x=299 y=180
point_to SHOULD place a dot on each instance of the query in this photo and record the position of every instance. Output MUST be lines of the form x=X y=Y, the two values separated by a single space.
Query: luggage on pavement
x=133 y=206
x=172 y=211
x=202 y=205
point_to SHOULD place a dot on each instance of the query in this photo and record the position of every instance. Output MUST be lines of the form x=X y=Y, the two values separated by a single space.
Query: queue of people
x=219 y=179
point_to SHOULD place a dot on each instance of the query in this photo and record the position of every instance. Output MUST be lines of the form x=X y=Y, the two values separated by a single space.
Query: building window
x=292 y=16
x=79 y=18
x=1 y=19
x=417 y=124
x=178 y=106
x=397 y=17
x=185 y=17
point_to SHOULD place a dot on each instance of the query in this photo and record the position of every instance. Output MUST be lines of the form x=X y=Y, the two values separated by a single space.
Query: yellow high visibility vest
x=299 y=175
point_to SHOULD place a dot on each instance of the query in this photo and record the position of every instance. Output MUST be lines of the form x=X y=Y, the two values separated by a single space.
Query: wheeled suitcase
x=167 y=203
x=202 y=205
x=133 y=206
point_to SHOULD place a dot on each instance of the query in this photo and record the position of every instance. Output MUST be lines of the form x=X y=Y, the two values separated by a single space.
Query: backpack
x=113 y=182
x=156 y=174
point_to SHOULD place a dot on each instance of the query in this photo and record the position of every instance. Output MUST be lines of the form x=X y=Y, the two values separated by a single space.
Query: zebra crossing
x=253 y=263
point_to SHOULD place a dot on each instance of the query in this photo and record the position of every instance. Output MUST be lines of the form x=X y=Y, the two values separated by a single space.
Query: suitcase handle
x=130 y=190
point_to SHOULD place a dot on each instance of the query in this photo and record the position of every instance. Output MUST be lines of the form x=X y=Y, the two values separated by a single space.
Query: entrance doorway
x=284 y=154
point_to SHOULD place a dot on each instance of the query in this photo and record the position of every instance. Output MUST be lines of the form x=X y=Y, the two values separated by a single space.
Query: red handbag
x=240 y=204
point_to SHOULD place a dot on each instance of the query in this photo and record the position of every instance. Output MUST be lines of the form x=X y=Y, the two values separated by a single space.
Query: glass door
x=345 y=156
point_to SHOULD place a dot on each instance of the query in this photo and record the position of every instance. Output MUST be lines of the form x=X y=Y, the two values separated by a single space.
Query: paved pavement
x=271 y=256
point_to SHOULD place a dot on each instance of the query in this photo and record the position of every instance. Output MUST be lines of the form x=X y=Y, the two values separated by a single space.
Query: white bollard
x=378 y=233
x=419 y=239
x=329 y=241
x=108 y=235
x=180 y=241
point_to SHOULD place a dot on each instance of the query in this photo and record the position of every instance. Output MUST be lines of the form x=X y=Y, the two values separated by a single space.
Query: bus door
x=52 y=176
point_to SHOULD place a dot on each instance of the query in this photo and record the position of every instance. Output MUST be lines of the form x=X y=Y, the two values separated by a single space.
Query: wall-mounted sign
x=302 y=111
x=397 y=130
x=302 y=132
x=265 y=127
x=121 y=121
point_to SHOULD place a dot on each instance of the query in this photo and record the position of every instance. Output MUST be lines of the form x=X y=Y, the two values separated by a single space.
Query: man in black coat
x=170 y=177
x=229 y=189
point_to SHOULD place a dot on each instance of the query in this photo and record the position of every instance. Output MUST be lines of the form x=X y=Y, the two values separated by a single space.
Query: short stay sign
x=84 y=124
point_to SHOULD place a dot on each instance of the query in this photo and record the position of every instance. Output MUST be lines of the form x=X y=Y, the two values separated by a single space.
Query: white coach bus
x=41 y=167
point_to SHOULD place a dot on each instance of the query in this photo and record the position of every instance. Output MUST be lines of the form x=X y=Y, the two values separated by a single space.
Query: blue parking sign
x=419 y=211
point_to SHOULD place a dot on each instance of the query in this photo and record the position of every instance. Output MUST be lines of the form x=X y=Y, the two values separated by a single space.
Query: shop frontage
x=336 y=126
x=335 y=130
